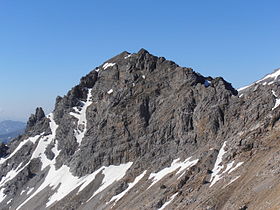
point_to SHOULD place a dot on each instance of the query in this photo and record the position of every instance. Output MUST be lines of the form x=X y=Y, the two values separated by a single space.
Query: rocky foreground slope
x=141 y=132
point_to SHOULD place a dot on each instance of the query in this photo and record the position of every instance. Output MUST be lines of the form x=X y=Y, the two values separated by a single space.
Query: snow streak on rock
x=40 y=153
x=107 y=65
x=218 y=167
x=272 y=77
x=14 y=172
x=2 y=194
x=233 y=180
x=217 y=170
x=31 y=139
x=63 y=181
x=66 y=182
x=277 y=102
x=9 y=176
x=111 y=175
x=168 y=202
x=116 y=198
x=44 y=142
x=176 y=164
x=30 y=190
x=81 y=115
x=126 y=57
x=243 y=88
x=267 y=80
x=235 y=167
x=228 y=170
x=110 y=91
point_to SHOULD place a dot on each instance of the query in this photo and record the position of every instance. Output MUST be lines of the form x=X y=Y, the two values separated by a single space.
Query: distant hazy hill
x=10 y=129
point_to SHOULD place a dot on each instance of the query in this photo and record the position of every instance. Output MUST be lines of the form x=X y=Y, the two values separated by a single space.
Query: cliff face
x=141 y=132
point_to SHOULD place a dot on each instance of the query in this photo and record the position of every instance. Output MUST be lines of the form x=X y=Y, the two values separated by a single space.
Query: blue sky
x=46 y=46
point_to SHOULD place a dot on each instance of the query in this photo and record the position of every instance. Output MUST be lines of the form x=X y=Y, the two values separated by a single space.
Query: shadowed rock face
x=164 y=134
x=3 y=150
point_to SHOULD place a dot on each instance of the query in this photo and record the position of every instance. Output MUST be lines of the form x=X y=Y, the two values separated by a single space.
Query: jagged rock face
x=3 y=150
x=141 y=132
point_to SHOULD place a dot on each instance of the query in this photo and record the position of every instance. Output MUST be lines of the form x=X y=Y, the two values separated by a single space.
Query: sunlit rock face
x=141 y=132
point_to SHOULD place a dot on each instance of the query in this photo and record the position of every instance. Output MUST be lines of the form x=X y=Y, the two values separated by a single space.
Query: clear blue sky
x=46 y=46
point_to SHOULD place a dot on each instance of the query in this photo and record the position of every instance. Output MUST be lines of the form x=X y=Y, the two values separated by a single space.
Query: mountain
x=9 y=136
x=141 y=132
x=9 y=126
x=10 y=129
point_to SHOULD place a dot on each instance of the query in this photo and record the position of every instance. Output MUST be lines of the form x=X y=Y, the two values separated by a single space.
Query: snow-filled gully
x=81 y=115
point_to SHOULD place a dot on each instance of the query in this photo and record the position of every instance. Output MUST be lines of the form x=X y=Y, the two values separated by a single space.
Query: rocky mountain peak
x=141 y=132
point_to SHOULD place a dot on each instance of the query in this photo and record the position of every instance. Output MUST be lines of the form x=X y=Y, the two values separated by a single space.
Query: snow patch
x=2 y=195
x=9 y=201
x=44 y=142
x=235 y=167
x=168 y=202
x=176 y=164
x=243 y=88
x=64 y=182
x=110 y=91
x=143 y=76
x=273 y=92
x=23 y=191
x=31 y=139
x=126 y=57
x=233 y=180
x=116 y=198
x=277 y=102
x=39 y=152
x=274 y=76
x=228 y=170
x=9 y=176
x=30 y=190
x=107 y=65
x=111 y=175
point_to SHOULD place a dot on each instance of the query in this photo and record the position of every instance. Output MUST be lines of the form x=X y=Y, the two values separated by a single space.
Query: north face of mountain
x=141 y=132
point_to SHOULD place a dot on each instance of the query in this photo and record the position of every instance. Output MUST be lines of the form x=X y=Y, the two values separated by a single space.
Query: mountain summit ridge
x=141 y=132
x=268 y=79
